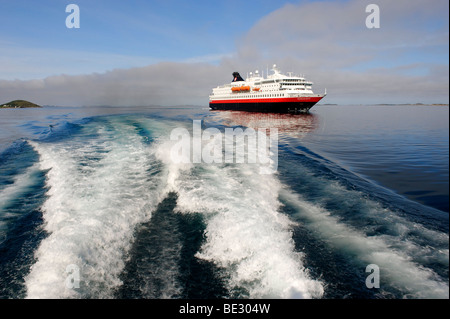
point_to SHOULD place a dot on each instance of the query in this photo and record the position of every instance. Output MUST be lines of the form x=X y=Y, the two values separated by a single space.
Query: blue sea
x=92 y=205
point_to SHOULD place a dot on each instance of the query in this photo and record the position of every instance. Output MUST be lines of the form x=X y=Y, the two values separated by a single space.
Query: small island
x=16 y=104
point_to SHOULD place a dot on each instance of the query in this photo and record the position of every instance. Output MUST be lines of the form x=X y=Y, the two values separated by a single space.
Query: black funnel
x=237 y=77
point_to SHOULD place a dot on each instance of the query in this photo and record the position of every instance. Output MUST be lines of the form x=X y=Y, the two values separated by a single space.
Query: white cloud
x=330 y=43
x=166 y=83
x=402 y=62
x=30 y=63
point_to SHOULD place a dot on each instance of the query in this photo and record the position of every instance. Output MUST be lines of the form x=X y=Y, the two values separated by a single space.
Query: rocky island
x=18 y=104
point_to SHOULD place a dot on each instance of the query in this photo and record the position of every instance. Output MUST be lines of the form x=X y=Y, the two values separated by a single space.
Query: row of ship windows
x=264 y=95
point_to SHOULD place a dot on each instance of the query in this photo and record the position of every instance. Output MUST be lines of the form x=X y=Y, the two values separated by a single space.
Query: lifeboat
x=255 y=89
x=245 y=88
x=235 y=89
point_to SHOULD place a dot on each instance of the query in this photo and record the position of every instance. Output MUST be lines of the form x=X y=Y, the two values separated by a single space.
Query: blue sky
x=148 y=31
x=404 y=61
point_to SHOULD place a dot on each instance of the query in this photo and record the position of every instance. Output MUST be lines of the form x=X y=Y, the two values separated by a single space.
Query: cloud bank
x=404 y=61
x=166 y=83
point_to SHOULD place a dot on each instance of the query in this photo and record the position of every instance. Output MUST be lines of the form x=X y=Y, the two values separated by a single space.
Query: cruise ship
x=275 y=93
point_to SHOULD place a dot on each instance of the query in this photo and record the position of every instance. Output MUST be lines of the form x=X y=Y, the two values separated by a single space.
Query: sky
x=167 y=52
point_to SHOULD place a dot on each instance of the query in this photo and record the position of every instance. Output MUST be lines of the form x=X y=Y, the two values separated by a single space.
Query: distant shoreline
x=26 y=104
x=391 y=104
x=18 y=104
x=424 y=104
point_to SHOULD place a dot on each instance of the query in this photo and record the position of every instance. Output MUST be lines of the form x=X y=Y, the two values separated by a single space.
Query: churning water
x=92 y=205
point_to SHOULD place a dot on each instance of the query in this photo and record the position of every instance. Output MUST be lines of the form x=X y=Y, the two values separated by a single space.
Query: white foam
x=246 y=235
x=399 y=233
x=396 y=265
x=91 y=210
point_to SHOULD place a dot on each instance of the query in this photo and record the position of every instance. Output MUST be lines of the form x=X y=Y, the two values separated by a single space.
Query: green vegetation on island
x=18 y=104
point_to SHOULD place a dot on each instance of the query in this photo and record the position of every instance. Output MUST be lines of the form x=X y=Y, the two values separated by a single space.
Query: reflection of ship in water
x=294 y=125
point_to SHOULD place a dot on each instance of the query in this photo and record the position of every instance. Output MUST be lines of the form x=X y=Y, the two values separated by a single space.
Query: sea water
x=92 y=205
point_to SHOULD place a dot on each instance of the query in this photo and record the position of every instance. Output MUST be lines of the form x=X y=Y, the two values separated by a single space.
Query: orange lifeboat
x=245 y=88
x=255 y=89
x=235 y=89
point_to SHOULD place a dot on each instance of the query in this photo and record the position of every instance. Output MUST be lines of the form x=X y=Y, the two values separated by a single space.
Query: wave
x=19 y=177
x=246 y=236
x=123 y=218
x=99 y=189
x=412 y=258
x=12 y=194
